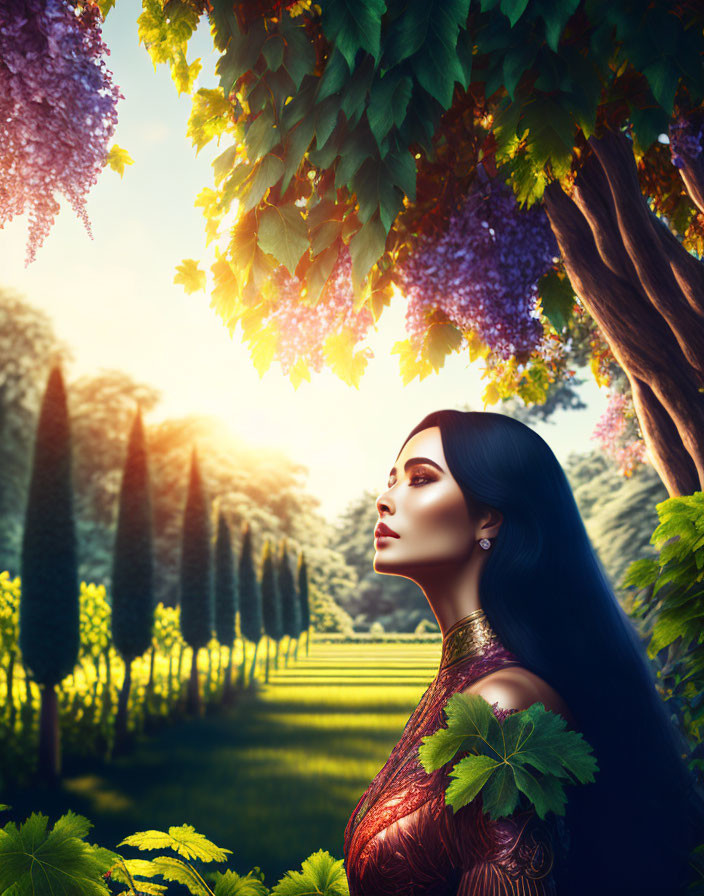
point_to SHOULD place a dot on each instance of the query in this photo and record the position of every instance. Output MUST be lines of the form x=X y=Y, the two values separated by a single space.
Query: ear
x=490 y=523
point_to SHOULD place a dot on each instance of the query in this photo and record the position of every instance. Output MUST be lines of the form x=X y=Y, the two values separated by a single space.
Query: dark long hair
x=548 y=598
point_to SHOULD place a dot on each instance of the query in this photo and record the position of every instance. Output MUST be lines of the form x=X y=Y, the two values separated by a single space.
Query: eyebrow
x=417 y=460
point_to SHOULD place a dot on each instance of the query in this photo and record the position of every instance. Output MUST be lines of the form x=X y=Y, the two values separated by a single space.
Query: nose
x=382 y=504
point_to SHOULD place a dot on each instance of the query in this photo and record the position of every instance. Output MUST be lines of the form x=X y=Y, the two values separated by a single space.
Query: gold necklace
x=469 y=636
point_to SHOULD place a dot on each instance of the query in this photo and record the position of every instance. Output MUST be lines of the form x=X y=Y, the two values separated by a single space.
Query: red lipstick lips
x=382 y=529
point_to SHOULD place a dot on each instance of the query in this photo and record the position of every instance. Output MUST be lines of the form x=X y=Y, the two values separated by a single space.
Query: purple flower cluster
x=57 y=110
x=685 y=141
x=482 y=271
x=302 y=328
x=617 y=436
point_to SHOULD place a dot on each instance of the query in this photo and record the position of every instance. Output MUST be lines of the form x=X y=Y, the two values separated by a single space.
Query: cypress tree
x=291 y=611
x=271 y=605
x=49 y=604
x=225 y=597
x=196 y=577
x=250 y=602
x=132 y=573
x=303 y=600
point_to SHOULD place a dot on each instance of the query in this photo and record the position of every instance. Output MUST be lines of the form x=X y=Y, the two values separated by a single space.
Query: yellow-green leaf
x=190 y=276
x=117 y=158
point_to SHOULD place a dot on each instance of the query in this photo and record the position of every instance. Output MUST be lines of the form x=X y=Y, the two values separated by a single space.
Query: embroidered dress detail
x=403 y=839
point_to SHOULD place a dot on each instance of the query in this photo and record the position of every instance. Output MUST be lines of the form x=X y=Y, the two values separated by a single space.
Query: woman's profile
x=479 y=513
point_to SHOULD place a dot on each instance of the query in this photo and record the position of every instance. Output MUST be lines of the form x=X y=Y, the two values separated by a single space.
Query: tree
x=302 y=580
x=49 y=605
x=271 y=605
x=250 y=603
x=290 y=606
x=196 y=577
x=226 y=598
x=102 y=414
x=504 y=165
x=29 y=348
x=133 y=568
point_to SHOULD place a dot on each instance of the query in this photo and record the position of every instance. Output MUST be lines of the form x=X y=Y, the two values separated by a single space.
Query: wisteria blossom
x=482 y=271
x=57 y=110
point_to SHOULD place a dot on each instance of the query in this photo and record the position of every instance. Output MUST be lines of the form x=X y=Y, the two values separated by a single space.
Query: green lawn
x=273 y=780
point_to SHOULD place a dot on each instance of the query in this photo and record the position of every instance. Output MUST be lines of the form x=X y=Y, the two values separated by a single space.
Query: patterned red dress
x=402 y=840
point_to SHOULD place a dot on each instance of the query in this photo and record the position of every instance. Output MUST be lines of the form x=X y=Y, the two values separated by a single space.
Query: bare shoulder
x=518 y=688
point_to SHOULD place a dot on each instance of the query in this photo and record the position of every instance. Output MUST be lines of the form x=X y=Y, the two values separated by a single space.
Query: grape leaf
x=320 y=874
x=531 y=752
x=34 y=861
x=283 y=234
x=231 y=884
x=183 y=839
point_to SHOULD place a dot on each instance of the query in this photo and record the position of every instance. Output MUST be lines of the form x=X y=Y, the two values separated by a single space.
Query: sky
x=113 y=300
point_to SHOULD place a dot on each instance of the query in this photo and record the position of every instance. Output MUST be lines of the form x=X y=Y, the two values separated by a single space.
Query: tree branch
x=643 y=346
x=645 y=248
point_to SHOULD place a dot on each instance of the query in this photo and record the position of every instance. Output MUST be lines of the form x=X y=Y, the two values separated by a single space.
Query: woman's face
x=424 y=505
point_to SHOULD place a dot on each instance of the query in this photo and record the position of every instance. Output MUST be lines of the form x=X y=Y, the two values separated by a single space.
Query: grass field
x=274 y=779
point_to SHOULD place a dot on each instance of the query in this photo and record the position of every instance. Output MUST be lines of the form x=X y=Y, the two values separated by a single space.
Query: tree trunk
x=10 y=687
x=646 y=293
x=150 y=682
x=121 y=717
x=49 y=765
x=242 y=667
x=254 y=661
x=193 y=703
x=227 y=692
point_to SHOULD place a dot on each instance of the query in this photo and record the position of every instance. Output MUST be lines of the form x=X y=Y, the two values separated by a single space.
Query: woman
x=478 y=512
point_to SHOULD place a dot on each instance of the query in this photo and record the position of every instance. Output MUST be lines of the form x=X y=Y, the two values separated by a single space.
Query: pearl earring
x=484 y=543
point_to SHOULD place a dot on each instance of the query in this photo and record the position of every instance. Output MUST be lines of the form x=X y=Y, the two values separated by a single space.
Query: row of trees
x=210 y=594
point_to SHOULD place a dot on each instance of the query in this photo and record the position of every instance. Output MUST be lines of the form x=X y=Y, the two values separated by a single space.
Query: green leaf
x=297 y=144
x=557 y=298
x=388 y=101
x=231 y=884
x=514 y=9
x=335 y=75
x=299 y=55
x=374 y=187
x=320 y=874
x=354 y=97
x=283 y=234
x=182 y=839
x=261 y=135
x=326 y=114
x=171 y=868
x=36 y=863
x=530 y=752
x=319 y=272
x=366 y=247
x=515 y=62
x=439 y=341
x=266 y=173
x=648 y=124
x=663 y=78
x=555 y=14
x=475 y=772
x=351 y=26
x=435 y=63
x=242 y=52
x=273 y=50
x=640 y=573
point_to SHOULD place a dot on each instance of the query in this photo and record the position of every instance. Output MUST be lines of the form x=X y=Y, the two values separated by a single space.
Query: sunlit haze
x=114 y=301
